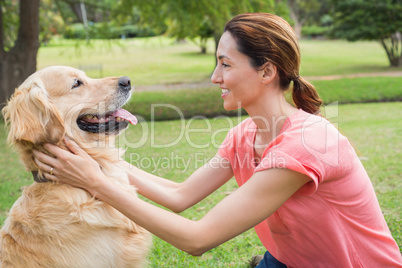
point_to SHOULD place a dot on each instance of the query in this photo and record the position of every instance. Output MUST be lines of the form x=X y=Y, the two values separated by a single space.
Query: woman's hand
x=74 y=167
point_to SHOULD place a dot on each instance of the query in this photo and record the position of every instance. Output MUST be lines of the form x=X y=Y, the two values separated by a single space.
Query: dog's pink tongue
x=126 y=115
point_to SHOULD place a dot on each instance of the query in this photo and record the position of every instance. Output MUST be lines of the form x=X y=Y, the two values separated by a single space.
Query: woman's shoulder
x=312 y=138
x=303 y=123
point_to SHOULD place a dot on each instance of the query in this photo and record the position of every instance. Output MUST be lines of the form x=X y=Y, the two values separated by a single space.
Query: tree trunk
x=20 y=61
x=393 y=48
x=396 y=62
x=298 y=23
x=298 y=28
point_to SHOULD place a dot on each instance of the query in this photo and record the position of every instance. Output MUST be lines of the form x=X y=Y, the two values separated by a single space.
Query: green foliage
x=96 y=10
x=105 y=31
x=9 y=10
x=193 y=19
x=314 y=31
x=306 y=13
x=305 y=10
x=51 y=22
x=367 y=20
x=371 y=20
x=56 y=15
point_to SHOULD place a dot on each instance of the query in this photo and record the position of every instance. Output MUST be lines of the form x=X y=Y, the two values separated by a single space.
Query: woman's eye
x=77 y=83
x=225 y=65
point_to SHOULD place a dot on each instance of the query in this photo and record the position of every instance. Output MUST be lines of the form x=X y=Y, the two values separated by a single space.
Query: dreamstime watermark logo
x=185 y=130
x=170 y=161
x=317 y=135
x=197 y=160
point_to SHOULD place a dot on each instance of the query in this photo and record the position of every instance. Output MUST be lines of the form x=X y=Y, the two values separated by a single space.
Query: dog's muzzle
x=108 y=123
x=113 y=121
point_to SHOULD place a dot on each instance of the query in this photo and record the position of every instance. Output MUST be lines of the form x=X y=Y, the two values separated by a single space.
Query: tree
x=193 y=19
x=85 y=10
x=18 y=60
x=21 y=33
x=306 y=12
x=379 y=20
x=51 y=22
x=300 y=11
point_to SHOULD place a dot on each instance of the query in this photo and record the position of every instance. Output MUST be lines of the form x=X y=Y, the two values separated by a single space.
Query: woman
x=301 y=184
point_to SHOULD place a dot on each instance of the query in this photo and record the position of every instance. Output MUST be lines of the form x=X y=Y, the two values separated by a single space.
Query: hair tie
x=297 y=78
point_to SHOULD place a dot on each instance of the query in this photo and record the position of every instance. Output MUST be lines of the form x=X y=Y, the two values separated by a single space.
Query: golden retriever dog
x=56 y=225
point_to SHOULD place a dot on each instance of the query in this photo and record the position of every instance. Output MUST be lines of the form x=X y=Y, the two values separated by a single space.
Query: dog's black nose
x=125 y=83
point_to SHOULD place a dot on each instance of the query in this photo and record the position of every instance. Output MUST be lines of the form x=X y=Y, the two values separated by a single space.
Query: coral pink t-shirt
x=332 y=221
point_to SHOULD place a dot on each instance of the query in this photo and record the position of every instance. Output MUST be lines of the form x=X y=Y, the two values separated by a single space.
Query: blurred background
x=158 y=42
x=351 y=51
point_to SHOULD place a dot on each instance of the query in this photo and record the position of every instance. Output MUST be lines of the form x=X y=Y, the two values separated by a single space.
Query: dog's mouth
x=111 y=122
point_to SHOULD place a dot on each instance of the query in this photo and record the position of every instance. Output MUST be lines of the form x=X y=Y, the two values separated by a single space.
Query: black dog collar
x=38 y=178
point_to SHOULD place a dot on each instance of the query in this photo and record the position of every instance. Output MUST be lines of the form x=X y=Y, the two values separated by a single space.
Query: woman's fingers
x=73 y=166
x=50 y=177
x=55 y=150
x=44 y=164
x=44 y=161
x=72 y=146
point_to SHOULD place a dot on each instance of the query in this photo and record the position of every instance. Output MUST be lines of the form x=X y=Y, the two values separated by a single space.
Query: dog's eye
x=77 y=83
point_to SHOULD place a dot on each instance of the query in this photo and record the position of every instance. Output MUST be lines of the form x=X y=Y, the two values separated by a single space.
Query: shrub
x=104 y=31
x=315 y=31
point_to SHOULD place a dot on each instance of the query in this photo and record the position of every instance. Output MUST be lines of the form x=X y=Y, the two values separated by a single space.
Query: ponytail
x=305 y=96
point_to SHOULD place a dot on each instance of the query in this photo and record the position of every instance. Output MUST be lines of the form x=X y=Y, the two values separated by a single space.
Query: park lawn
x=174 y=149
x=161 y=60
x=147 y=61
x=176 y=104
x=330 y=57
x=357 y=90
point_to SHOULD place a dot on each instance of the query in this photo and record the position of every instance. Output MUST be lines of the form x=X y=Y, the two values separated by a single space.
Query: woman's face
x=239 y=81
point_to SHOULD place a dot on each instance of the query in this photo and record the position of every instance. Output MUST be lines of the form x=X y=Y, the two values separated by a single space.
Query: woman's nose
x=216 y=77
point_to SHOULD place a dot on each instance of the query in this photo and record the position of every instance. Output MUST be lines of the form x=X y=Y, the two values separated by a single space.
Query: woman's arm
x=253 y=202
x=78 y=169
x=250 y=204
x=180 y=196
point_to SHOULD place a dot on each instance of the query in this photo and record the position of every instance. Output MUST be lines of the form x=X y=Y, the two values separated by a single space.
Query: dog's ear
x=32 y=117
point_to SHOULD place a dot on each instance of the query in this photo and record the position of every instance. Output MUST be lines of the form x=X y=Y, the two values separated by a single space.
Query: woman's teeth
x=224 y=91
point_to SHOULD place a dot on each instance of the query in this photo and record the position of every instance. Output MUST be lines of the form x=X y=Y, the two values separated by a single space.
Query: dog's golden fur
x=56 y=225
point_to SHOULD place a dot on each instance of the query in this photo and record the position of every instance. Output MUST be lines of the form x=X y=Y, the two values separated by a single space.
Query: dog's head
x=58 y=101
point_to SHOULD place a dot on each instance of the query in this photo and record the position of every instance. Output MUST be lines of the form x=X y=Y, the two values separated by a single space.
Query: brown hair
x=265 y=38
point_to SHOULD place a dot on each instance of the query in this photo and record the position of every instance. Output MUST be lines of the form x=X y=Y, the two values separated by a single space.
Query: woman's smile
x=225 y=92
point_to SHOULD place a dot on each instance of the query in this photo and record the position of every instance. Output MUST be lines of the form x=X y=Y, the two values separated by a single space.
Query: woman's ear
x=268 y=72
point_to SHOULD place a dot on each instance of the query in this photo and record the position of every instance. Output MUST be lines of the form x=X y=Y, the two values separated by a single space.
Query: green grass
x=147 y=61
x=167 y=105
x=374 y=129
x=159 y=60
x=355 y=90
x=329 y=57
